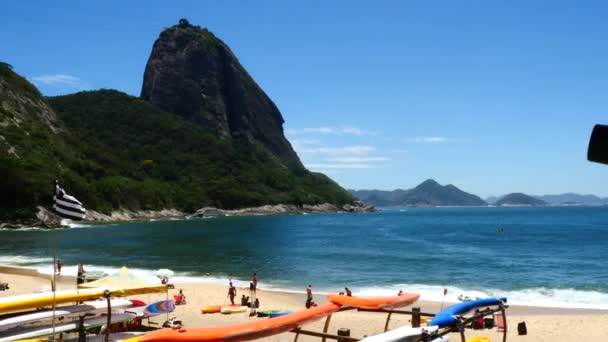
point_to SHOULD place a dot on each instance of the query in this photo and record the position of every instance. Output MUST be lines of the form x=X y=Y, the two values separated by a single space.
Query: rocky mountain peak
x=194 y=74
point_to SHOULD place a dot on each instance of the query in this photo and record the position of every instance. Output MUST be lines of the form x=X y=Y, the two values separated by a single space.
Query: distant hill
x=518 y=198
x=202 y=134
x=492 y=199
x=572 y=198
x=428 y=193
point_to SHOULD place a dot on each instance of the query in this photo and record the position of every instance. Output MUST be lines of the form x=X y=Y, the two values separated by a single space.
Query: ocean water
x=545 y=256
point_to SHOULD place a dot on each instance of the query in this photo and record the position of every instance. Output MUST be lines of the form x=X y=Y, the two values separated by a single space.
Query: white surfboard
x=235 y=309
x=403 y=334
x=64 y=311
x=47 y=330
x=114 y=337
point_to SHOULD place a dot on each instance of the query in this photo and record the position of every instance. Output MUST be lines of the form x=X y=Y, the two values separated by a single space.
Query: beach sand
x=543 y=324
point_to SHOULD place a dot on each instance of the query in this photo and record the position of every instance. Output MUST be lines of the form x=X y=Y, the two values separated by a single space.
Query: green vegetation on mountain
x=518 y=198
x=427 y=193
x=112 y=150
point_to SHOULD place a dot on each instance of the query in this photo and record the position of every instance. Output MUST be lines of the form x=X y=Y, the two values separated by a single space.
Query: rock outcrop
x=194 y=74
x=284 y=209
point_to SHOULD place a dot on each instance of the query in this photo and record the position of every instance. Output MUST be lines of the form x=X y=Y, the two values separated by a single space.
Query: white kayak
x=47 y=330
x=63 y=311
x=403 y=334
x=233 y=309
x=114 y=337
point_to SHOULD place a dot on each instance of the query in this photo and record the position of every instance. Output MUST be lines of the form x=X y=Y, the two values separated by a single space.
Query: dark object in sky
x=598 y=145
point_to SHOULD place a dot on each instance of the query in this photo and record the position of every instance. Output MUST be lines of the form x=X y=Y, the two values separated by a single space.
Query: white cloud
x=397 y=151
x=332 y=171
x=324 y=130
x=428 y=140
x=300 y=142
x=344 y=150
x=358 y=159
x=61 y=80
x=341 y=166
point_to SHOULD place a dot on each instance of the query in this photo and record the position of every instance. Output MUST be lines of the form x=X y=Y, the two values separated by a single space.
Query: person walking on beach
x=232 y=293
x=254 y=281
x=59 y=265
x=348 y=292
x=309 y=291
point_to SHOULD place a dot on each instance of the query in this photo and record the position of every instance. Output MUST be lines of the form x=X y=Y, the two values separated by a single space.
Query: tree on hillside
x=6 y=65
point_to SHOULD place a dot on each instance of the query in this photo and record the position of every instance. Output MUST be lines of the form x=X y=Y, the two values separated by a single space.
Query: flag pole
x=53 y=281
x=65 y=206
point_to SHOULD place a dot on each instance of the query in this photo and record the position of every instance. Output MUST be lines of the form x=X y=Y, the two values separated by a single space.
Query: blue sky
x=492 y=96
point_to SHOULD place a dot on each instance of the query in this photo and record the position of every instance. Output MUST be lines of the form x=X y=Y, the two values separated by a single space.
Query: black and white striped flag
x=67 y=206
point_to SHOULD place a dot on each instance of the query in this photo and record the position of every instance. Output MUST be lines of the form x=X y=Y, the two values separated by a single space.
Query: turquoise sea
x=542 y=256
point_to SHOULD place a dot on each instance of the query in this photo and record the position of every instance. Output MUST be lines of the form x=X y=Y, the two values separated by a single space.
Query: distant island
x=519 y=199
x=431 y=194
x=566 y=199
x=202 y=134
x=573 y=199
x=427 y=194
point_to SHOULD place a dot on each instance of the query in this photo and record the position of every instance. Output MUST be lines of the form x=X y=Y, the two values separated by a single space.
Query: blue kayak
x=279 y=313
x=447 y=316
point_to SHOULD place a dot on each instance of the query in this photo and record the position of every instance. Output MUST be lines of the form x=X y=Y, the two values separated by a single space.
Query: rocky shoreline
x=47 y=219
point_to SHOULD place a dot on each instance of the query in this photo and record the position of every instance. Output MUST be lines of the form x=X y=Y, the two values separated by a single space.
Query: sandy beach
x=544 y=324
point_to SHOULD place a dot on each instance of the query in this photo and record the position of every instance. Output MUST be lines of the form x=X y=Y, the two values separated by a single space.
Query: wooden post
x=343 y=332
x=325 y=327
x=504 y=318
x=415 y=317
x=82 y=335
x=106 y=294
x=388 y=319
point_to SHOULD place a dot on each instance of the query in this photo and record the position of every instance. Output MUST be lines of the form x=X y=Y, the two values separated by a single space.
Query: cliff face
x=192 y=73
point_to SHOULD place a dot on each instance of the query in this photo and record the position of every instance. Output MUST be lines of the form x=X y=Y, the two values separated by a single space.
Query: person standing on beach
x=59 y=265
x=255 y=281
x=309 y=291
x=231 y=293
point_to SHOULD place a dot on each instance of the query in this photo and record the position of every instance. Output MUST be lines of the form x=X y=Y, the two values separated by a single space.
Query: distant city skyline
x=491 y=97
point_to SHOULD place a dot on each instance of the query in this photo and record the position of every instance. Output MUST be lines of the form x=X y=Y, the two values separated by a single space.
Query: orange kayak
x=388 y=303
x=244 y=331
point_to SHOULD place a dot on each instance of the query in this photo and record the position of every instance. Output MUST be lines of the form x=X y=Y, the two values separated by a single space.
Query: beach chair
x=500 y=322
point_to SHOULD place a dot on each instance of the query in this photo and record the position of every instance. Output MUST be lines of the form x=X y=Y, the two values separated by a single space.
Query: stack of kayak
x=278 y=322
x=30 y=316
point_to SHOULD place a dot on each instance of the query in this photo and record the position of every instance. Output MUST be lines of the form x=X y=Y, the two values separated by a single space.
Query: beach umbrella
x=164 y=273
